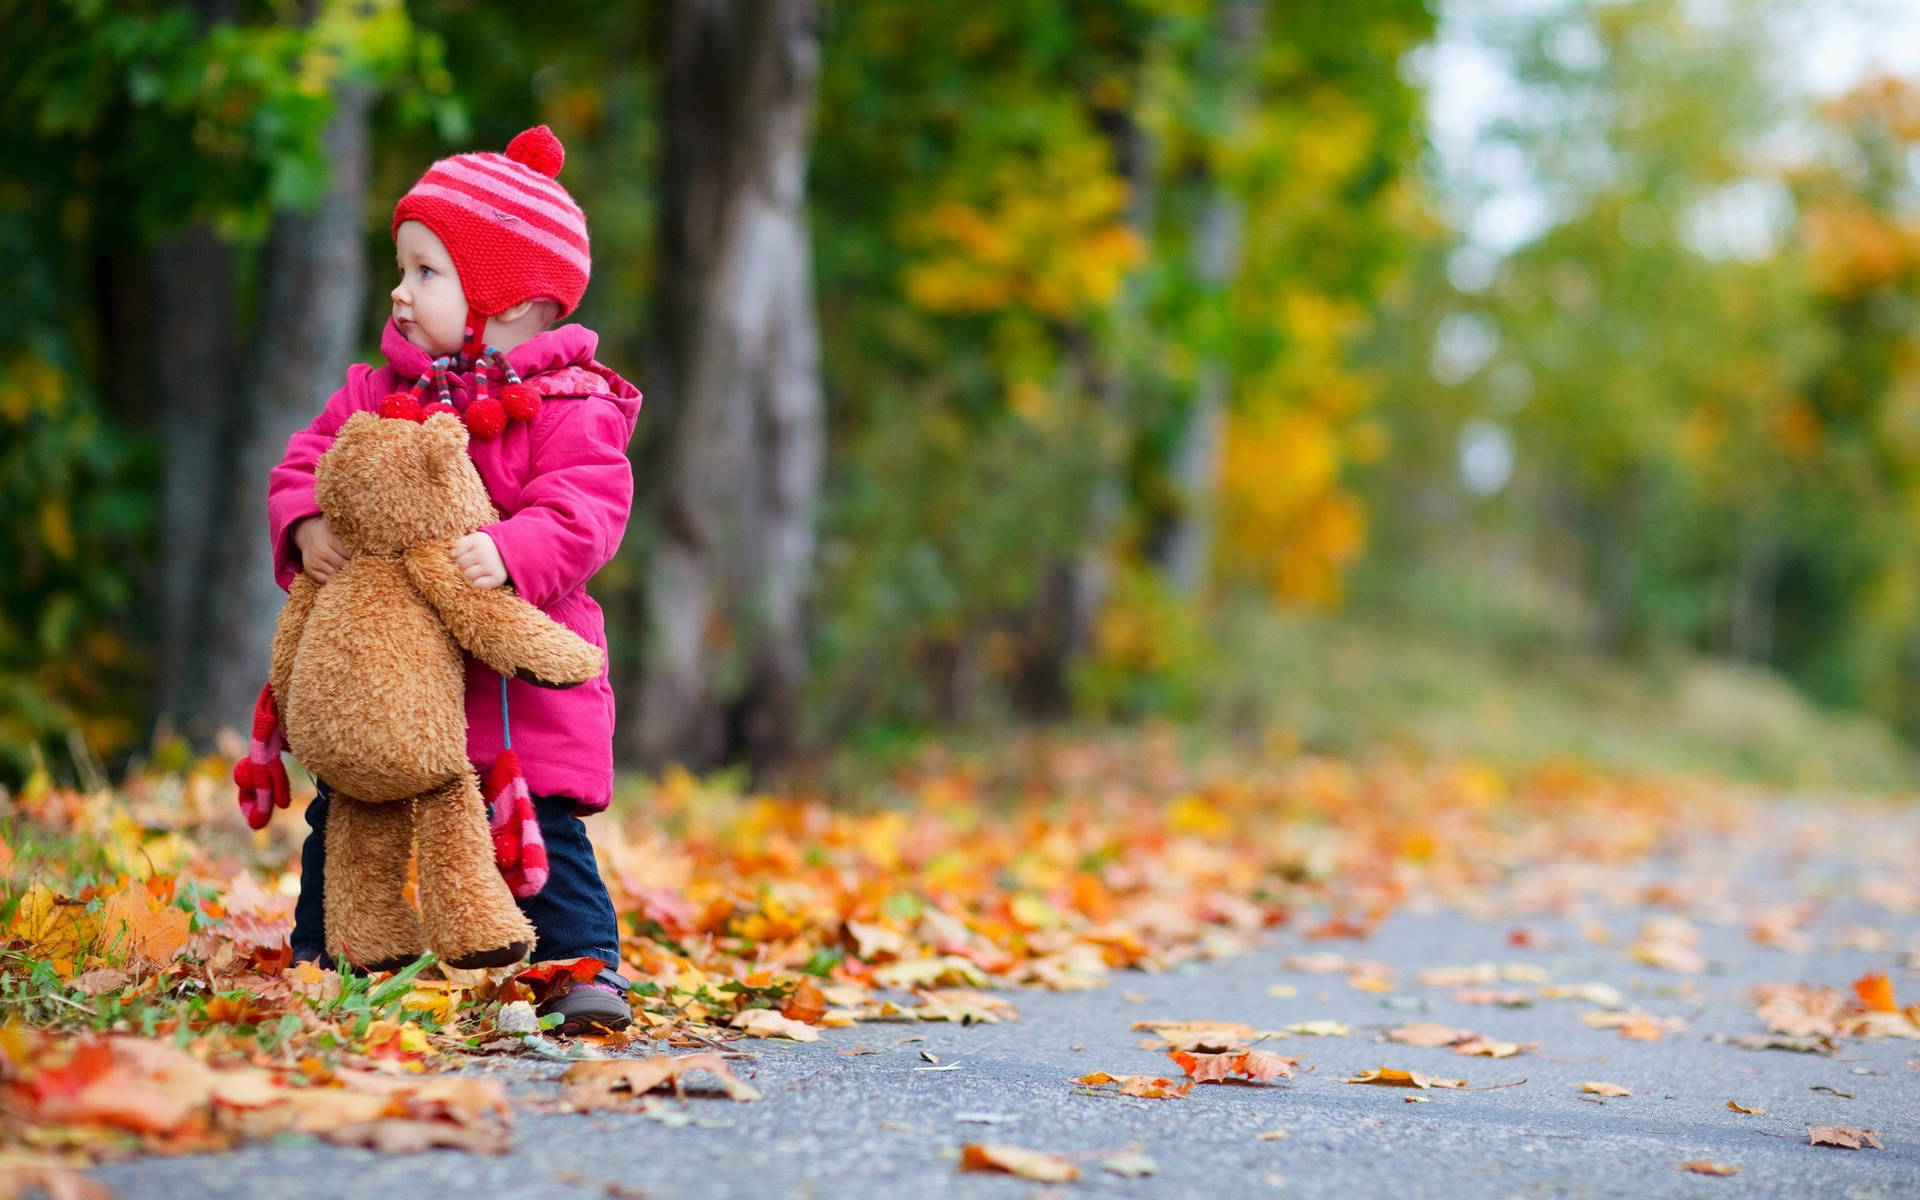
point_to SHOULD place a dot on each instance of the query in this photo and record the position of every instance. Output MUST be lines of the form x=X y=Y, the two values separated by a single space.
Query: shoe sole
x=579 y=1025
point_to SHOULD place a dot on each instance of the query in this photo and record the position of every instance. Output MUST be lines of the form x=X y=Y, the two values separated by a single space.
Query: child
x=492 y=251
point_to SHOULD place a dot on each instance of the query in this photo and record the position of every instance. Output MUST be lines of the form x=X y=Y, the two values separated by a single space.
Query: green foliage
x=1704 y=428
x=120 y=124
x=1017 y=318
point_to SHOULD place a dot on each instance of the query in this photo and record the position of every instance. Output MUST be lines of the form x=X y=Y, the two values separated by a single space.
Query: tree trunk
x=1184 y=545
x=192 y=384
x=734 y=458
x=313 y=284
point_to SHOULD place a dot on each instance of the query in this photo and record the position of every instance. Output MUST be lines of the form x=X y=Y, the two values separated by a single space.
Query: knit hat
x=513 y=232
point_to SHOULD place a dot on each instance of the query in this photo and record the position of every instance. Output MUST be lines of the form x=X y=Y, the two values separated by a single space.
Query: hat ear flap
x=445 y=438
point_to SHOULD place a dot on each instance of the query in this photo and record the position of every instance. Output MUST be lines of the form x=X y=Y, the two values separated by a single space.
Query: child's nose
x=399 y=293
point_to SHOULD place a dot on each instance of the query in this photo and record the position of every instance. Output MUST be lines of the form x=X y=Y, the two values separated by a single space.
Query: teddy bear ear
x=357 y=424
x=445 y=437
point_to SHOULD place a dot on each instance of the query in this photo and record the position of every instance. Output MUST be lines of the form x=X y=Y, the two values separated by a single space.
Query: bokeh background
x=1518 y=378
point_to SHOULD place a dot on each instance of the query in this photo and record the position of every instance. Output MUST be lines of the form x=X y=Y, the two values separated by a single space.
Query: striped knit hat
x=513 y=231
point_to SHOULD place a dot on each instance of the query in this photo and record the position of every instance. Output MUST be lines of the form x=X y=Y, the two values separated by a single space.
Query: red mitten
x=518 y=849
x=261 y=776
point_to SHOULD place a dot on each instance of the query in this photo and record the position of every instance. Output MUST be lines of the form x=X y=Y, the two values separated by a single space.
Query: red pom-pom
x=438 y=407
x=401 y=406
x=539 y=149
x=520 y=400
x=485 y=418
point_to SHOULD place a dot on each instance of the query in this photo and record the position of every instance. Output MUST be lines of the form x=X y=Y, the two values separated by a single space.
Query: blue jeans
x=572 y=916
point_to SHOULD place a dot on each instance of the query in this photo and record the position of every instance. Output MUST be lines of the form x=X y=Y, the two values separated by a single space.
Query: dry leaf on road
x=1605 y=1089
x=1255 y=1065
x=766 y=1023
x=1013 y=1160
x=1700 y=1166
x=1146 y=1087
x=1738 y=1107
x=596 y=1084
x=1388 y=1077
x=1843 y=1137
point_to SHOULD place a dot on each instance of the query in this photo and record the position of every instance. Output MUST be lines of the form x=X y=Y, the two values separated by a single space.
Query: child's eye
x=425 y=271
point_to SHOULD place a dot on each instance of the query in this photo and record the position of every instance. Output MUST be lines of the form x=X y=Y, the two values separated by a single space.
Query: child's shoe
x=594 y=1006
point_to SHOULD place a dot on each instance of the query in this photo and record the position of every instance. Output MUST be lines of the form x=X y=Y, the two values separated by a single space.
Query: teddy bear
x=368 y=684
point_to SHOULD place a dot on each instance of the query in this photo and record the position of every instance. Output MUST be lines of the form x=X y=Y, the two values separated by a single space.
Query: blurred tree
x=1693 y=373
x=190 y=180
x=735 y=407
x=1140 y=238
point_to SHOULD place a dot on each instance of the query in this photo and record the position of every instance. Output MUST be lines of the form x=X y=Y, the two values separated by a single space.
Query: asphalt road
x=884 y=1124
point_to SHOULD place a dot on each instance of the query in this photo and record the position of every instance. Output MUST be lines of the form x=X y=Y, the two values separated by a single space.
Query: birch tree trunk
x=313 y=285
x=1184 y=547
x=733 y=463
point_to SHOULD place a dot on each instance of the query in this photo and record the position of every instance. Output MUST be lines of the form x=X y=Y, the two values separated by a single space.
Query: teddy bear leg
x=471 y=918
x=370 y=923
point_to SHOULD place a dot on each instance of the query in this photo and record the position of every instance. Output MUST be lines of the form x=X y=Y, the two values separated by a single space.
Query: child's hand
x=479 y=560
x=321 y=550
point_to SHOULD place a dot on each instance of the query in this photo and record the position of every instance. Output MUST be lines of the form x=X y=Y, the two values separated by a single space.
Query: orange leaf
x=1013 y=1160
x=807 y=1004
x=1388 y=1077
x=1875 y=991
x=1700 y=1166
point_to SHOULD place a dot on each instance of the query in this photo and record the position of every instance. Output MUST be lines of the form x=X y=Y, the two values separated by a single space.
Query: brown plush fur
x=371 y=685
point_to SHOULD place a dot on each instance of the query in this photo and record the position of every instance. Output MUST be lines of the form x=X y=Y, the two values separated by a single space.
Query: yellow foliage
x=28 y=385
x=1048 y=235
x=1284 y=516
x=52 y=928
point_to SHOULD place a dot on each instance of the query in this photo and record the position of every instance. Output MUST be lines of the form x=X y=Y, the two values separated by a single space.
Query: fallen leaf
x=1147 y=1087
x=1509 y=998
x=807 y=1004
x=1196 y=1035
x=1270 y=1135
x=1844 y=1137
x=1876 y=992
x=1131 y=1165
x=1700 y=1166
x=99 y=980
x=1485 y=1047
x=1427 y=1033
x=1013 y=1160
x=1639 y=1026
x=1603 y=994
x=1605 y=1089
x=1322 y=1028
x=1255 y=1065
x=1738 y=1107
x=595 y=1082
x=766 y=1023
x=1388 y=1077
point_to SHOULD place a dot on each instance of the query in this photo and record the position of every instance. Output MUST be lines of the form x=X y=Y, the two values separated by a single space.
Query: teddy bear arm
x=286 y=634
x=499 y=628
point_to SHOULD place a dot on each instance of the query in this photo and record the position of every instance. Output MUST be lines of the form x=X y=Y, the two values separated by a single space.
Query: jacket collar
x=571 y=345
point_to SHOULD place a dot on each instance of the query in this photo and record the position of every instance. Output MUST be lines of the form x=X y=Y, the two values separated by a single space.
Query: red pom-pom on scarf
x=401 y=406
x=485 y=418
x=521 y=401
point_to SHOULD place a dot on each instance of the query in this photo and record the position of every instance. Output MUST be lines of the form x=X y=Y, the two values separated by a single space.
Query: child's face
x=428 y=304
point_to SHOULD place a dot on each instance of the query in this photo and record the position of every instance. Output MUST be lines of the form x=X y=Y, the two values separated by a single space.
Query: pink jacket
x=566 y=488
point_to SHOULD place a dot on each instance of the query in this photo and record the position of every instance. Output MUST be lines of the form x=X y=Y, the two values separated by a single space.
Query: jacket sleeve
x=573 y=512
x=290 y=497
